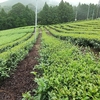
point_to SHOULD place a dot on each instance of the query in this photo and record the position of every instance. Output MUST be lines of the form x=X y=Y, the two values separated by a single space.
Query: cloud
x=3 y=1
x=76 y=2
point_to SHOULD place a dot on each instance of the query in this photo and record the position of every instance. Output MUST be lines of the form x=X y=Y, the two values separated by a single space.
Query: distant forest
x=21 y=15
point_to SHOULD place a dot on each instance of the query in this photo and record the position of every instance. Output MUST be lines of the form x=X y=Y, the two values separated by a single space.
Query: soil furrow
x=21 y=81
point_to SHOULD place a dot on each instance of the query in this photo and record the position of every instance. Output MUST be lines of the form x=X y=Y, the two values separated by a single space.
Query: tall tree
x=23 y=15
x=3 y=13
x=65 y=12
x=54 y=15
x=17 y=13
x=82 y=10
x=3 y=16
x=29 y=16
x=44 y=14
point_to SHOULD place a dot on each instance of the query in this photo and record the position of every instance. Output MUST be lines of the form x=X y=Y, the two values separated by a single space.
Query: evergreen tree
x=65 y=12
x=29 y=16
x=44 y=15
x=21 y=15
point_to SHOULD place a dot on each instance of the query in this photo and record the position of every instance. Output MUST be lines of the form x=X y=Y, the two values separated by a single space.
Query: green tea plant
x=8 y=46
x=82 y=38
x=10 y=58
x=8 y=36
x=67 y=74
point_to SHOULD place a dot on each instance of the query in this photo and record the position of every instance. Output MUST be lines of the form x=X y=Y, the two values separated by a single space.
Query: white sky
x=3 y=0
x=76 y=2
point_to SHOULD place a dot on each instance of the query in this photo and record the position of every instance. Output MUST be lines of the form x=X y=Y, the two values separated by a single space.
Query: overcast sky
x=74 y=2
x=2 y=1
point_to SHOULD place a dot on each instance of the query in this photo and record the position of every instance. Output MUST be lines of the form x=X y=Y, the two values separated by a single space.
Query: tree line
x=21 y=15
x=56 y=14
x=85 y=11
x=18 y=16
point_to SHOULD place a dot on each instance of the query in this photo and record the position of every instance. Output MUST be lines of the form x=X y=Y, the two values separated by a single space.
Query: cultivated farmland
x=14 y=46
x=64 y=71
x=85 y=33
x=68 y=73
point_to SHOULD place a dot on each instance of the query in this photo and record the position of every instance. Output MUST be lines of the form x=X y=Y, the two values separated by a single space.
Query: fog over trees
x=22 y=13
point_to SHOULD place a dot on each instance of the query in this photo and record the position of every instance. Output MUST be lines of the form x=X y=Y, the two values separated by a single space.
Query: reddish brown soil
x=21 y=81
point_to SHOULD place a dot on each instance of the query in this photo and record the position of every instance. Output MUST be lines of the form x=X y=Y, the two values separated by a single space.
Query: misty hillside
x=26 y=2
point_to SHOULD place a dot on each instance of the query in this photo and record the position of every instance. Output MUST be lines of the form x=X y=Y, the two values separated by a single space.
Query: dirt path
x=21 y=81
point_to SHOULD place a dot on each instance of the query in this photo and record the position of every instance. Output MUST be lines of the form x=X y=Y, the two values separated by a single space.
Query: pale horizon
x=73 y=2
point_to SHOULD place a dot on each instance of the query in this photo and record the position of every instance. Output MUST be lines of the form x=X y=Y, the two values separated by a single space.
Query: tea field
x=85 y=33
x=64 y=71
x=14 y=46
x=68 y=73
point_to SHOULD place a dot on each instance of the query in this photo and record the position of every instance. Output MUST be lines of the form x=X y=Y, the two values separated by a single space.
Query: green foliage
x=57 y=14
x=21 y=15
x=44 y=14
x=83 y=33
x=82 y=10
x=68 y=74
x=18 y=16
x=27 y=96
x=49 y=15
x=15 y=50
x=65 y=12
x=8 y=46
